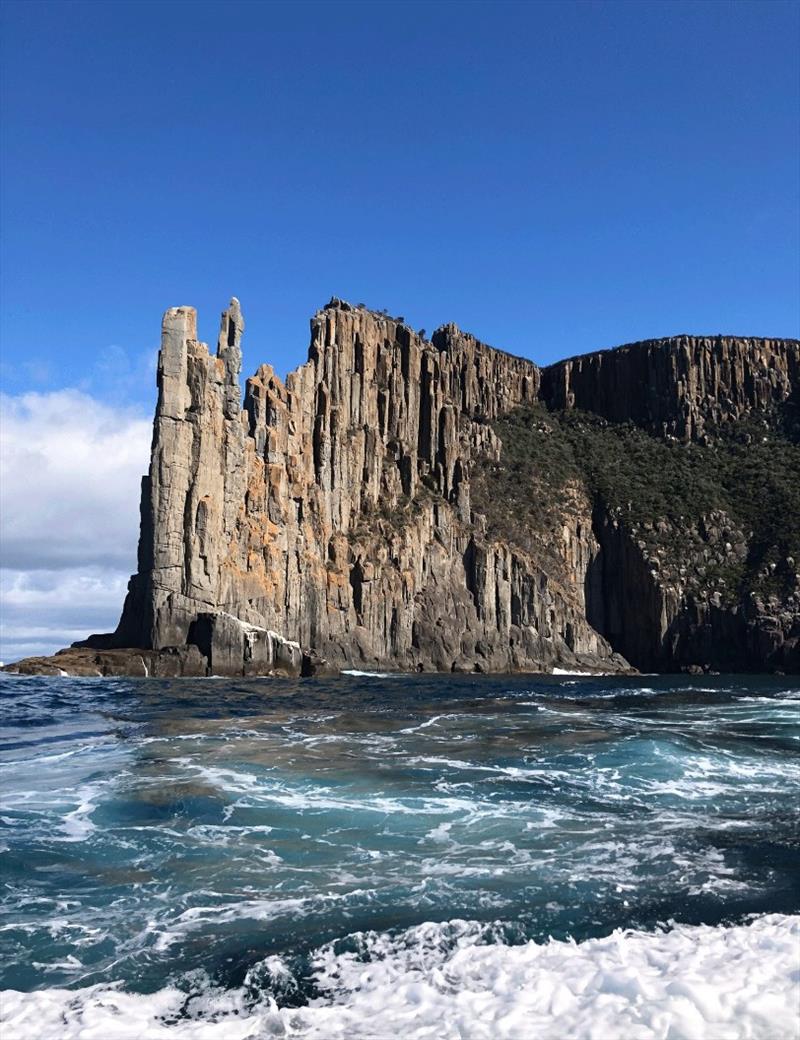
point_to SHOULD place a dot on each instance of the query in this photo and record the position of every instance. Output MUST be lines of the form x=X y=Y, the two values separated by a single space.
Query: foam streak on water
x=559 y=856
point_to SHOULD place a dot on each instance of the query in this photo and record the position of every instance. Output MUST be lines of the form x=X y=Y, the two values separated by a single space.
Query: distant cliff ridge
x=400 y=503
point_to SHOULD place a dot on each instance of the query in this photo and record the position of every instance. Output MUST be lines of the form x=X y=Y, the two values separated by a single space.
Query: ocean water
x=396 y=856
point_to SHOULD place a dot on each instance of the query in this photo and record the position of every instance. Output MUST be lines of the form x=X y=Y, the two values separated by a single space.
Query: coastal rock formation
x=87 y=661
x=676 y=387
x=335 y=509
x=694 y=562
x=673 y=610
x=329 y=521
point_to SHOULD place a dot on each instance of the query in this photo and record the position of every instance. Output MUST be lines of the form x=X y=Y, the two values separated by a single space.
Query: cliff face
x=676 y=387
x=672 y=610
x=716 y=587
x=341 y=516
x=335 y=510
x=696 y=544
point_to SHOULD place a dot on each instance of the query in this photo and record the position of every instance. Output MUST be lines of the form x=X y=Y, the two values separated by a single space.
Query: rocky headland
x=414 y=504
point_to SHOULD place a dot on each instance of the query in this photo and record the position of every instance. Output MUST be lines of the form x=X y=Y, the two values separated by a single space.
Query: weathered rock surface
x=218 y=644
x=333 y=512
x=677 y=386
x=85 y=661
x=692 y=548
x=664 y=612
x=335 y=509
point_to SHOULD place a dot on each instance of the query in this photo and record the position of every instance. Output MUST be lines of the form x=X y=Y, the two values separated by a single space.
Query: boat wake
x=455 y=980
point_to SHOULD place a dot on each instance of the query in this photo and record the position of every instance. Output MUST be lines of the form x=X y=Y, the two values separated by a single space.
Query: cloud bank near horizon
x=70 y=473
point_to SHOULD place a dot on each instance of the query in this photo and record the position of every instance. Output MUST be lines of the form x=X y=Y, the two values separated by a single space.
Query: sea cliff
x=371 y=511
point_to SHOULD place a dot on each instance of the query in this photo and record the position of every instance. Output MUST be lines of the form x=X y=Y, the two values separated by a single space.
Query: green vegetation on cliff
x=667 y=493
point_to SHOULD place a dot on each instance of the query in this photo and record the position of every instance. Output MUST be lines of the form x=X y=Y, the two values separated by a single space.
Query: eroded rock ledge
x=333 y=512
x=219 y=645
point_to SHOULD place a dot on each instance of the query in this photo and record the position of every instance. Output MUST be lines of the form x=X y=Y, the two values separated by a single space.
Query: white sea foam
x=446 y=980
x=269 y=790
x=373 y=675
x=577 y=671
x=195 y=918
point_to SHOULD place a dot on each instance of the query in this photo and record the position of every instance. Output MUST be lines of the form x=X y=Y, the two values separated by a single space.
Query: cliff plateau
x=414 y=504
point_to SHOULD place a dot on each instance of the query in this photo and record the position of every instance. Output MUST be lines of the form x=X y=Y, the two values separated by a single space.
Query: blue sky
x=555 y=178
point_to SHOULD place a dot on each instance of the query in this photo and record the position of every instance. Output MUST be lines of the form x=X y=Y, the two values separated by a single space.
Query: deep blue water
x=151 y=828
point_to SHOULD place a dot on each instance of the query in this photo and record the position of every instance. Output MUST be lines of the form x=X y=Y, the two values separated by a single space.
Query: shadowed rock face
x=676 y=387
x=333 y=512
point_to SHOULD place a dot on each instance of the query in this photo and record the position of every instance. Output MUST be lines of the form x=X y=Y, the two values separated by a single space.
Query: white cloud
x=45 y=610
x=70 y=473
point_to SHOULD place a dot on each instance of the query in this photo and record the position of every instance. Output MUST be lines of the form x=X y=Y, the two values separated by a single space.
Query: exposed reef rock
x=335 y=512
x=85 y=661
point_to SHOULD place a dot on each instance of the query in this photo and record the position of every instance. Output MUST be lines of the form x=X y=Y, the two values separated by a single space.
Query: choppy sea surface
x=396 y=856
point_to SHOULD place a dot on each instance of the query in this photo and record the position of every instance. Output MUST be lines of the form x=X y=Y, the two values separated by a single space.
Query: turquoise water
x=158 y=832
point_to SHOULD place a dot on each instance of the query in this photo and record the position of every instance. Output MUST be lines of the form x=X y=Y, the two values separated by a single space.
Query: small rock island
x=413 y=504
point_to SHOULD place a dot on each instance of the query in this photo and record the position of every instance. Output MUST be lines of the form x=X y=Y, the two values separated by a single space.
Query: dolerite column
x=170 y=476
x=227 y=557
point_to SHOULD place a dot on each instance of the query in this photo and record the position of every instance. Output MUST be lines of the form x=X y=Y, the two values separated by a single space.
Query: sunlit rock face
x=334 y=509
x=328 y=521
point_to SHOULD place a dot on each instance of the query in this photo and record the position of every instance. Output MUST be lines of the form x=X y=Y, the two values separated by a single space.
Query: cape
x=414 y=504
